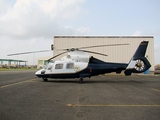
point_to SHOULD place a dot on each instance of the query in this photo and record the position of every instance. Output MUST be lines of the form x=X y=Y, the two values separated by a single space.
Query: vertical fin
x=139 y=62
x=141 y=50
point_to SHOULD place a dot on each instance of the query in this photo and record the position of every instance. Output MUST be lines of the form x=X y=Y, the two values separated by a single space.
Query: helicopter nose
x=38 y=72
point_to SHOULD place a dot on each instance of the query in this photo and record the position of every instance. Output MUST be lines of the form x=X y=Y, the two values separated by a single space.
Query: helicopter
x=79 y=64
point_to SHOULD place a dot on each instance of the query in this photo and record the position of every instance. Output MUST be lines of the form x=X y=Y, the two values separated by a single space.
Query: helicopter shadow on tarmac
x=94 y=80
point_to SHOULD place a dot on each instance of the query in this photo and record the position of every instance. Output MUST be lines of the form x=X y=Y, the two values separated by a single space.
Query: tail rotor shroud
x=140 y=65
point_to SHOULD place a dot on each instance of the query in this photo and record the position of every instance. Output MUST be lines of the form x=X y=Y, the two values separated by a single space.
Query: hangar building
x=120 y=53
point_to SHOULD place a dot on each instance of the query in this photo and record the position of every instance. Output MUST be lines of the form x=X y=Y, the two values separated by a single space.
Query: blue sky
x=31 y=25
x=121 y=18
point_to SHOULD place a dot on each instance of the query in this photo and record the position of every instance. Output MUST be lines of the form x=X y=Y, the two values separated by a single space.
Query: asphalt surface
x=113 y=97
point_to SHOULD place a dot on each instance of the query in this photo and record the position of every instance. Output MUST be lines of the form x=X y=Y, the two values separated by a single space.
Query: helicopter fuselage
x=72 y=69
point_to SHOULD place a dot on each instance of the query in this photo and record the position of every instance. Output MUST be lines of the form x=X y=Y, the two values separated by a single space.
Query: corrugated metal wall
x=120 y=54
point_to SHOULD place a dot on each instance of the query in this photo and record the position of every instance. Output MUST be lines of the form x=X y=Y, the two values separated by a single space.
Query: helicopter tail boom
x=139 y=62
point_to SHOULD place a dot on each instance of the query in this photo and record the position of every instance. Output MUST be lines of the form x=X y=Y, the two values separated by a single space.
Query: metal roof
x=103 y=37
x=12 y=60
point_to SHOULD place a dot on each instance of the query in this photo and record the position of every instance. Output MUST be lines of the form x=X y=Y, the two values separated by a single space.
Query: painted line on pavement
x=112 y=105
x=4 y=86
x=156 y=90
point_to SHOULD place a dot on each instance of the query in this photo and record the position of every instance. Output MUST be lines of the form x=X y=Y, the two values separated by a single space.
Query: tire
x=80 y=80
x=45 y=79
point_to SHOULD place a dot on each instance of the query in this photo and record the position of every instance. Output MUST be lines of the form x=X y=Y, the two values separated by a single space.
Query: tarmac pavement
x=112 y=97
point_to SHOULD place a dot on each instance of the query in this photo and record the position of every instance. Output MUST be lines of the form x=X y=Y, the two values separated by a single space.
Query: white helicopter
x=79 y=64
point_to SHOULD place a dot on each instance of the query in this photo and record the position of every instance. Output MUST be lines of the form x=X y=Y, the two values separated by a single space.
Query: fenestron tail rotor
x=140 y=65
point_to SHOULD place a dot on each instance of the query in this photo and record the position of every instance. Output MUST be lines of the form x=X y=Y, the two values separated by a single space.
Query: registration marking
x=17 y=83
x=112 y=105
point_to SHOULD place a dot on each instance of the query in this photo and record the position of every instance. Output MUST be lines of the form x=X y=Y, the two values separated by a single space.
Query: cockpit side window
x=58 y=66
x=70 y=66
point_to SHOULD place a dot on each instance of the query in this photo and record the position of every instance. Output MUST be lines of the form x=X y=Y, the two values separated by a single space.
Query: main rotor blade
x=93 y=52
x=73 y=49
x=28 y=52
x=56 y=56
x=102 y=46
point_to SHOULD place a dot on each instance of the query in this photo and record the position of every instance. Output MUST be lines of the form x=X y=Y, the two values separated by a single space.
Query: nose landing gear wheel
x=45 y=79
x=80 y=80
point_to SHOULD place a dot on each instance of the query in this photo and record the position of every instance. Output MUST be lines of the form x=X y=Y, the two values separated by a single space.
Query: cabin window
x=70 y=66
x=59 y=66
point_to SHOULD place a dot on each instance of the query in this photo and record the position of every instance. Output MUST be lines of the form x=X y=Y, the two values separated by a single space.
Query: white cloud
x=34 y=18
x=35 y=22
x=137 y=33
x=4 y=7
x=83 y=30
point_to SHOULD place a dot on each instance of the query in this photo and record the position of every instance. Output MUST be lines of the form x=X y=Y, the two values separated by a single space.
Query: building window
x=59 y=66
x=40 y=61
x=70 y=66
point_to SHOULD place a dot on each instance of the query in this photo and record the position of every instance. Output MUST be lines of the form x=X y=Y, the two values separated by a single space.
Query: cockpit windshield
x=48 y=65
x=45 y=67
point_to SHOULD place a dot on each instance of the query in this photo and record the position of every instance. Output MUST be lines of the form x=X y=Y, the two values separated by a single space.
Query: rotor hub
x=72 y=49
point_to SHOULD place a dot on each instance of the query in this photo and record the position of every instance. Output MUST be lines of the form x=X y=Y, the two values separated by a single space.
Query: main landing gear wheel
x=45 y=79
x=80 y=80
